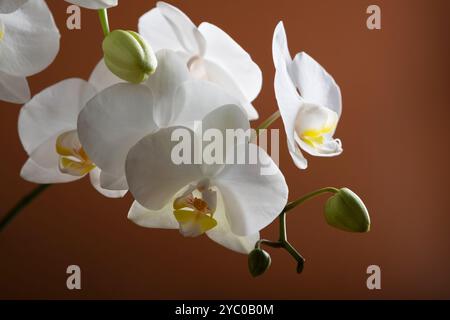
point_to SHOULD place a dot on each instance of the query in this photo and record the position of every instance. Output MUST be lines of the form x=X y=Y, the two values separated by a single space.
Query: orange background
x=394 y=131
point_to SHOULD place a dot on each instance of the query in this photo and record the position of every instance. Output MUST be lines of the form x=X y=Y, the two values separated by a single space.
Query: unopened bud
x=129 y=56
x=258 y=262
x=346 y=211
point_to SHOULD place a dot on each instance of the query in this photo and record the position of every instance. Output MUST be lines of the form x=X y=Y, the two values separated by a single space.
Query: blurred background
x=395 y=134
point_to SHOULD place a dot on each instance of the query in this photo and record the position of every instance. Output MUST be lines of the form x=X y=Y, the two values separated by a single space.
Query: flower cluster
x=118 y=127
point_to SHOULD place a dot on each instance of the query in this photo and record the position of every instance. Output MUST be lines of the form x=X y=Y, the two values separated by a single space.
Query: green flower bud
x=129 y=56
x=258 y=262
x=346 y=211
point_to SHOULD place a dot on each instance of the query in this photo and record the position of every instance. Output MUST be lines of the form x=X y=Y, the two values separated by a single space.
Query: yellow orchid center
x=2 y=30
x=194 y=214
x=314 y=123
x=315 y=137
x=73 y=159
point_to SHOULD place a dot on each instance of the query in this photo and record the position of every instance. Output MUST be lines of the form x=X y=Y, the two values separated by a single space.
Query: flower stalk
x=268 y=122
x=26 y=200
x=103 y=15
x=283 y=239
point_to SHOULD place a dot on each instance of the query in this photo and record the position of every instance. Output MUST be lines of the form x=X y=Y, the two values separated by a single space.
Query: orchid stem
x=283 y=240
x=103 y=15
x=293 y=204
x=26 y=200
x=273 y=244
x=268 y=122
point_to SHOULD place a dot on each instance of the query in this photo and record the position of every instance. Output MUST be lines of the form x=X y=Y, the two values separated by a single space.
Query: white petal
x=196 y=98
x=8 y=6
x=254 y=194
x=280 y=49
x=31 y=39
x=228 y=54
x=223 y=235
x=112 y=122
x=314 y=117
x=52 y=111
x=218 y=75
x=330 y=148
x=112 y=182
x=170 y=74
x=163 y=219
x=94 y=176
x=228 y=117
x=289 y=103
x=14 y=89
x=94 y=4
x=33 y=172
x=316 y=85
x=186 y=32
x=158 y=32
x=153 y=177
x=101 y=78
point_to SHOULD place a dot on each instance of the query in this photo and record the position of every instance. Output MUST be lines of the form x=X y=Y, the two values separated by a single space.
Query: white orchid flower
x=94 y=4
x=229 y=202
x=47 y=130
x=309 y=101
x=209 y=52
x=119 y=116
x=29 y=42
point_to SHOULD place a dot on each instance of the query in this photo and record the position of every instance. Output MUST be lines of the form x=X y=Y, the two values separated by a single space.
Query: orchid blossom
x=309 y=101
x=47 y=129
x=174 y=106
x=209 y=52
x=229 y=202
x=29 y=42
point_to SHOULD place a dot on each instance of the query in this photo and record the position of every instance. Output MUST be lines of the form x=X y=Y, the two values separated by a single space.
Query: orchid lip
x=2 y=30
x=315 y=124
x=194 y=209
x=73 y=159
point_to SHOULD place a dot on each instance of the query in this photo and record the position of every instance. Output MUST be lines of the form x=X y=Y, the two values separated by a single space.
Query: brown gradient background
x=395 y=131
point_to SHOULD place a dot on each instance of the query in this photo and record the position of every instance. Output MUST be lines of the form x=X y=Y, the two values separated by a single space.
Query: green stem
x=296 y=255
x=268 y=122
x=293 y=204
x=287 y=246
x=283 y=241
x=273 y=244
x=103 y=15
x=26 y=200
x=283 y=232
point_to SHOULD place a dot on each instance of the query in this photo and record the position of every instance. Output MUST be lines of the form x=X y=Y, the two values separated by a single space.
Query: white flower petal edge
x=8 y=6
x=102 y=78
x=309 y=101
x=250 y=200
x=47 y=130
x=209 y=52
x=94 y=177
x=94 y=4
x=14 y=89
x=30 y=41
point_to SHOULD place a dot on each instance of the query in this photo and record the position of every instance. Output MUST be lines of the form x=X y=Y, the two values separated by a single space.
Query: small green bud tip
x=129 y=56
x=258 y=262
x=346 y=211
